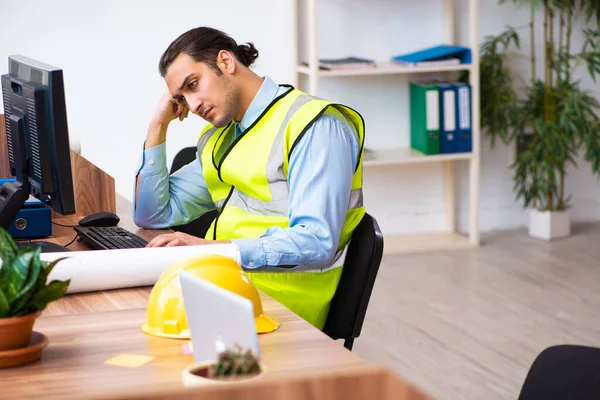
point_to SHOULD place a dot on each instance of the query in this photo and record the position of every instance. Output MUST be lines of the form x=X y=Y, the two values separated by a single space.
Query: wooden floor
x=467 y=324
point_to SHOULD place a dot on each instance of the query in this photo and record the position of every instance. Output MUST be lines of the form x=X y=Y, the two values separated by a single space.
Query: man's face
x=213 y=97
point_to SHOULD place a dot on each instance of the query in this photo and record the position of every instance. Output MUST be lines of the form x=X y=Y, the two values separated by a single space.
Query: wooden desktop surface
x=82 y=338
x=86 y=329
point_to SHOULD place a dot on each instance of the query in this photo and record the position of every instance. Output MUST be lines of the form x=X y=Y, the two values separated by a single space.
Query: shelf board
x=378 y=158
x=423 y=242
x=386 y=68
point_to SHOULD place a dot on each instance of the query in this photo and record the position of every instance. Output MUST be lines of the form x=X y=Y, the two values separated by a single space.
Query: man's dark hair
x=204 y=44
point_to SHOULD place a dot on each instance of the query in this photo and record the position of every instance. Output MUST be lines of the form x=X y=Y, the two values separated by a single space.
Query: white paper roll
x=113 y=269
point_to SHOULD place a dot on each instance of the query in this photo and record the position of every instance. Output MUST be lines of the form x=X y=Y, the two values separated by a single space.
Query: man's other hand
x=181 y=239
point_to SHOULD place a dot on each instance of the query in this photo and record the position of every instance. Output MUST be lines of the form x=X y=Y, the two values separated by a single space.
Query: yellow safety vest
x=247 y=180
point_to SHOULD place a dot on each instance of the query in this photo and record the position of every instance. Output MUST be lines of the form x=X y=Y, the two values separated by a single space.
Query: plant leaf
x=15 y=275
x=48 y=268
x=8 y=248
x=4 y=306
x=54 y=291
x=35 y=266
x=19 y=306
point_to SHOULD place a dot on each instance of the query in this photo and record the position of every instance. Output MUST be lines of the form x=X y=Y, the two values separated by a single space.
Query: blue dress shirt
x=319 y=176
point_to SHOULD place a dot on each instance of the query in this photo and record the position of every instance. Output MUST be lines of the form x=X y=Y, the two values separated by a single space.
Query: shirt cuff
x=154 y=160
x=252 y=252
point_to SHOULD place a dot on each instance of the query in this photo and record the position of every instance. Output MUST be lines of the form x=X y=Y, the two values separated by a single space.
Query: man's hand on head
x=169 y=109
x=181 y=239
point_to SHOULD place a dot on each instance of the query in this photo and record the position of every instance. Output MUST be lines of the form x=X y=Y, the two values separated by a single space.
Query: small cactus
x=234 y=362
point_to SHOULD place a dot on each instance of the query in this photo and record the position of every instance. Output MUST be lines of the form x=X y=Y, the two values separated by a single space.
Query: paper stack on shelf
x=345 y=63
x=434 y=63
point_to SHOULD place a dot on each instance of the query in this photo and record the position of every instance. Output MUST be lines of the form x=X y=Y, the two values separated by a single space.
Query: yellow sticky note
x=129 y=360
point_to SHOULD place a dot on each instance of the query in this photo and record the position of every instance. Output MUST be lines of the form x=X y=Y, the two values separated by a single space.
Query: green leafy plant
x=234 y=362
x=553 y=118
x=23 y=277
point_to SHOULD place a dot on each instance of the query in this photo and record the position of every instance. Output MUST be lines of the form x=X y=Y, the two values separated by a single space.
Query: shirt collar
x=265 y=95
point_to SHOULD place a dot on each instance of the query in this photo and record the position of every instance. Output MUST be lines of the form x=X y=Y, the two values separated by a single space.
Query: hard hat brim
x=184 y=334
x=266 y=324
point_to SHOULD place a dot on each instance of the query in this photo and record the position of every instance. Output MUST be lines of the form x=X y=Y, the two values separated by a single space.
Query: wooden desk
x=87 y=329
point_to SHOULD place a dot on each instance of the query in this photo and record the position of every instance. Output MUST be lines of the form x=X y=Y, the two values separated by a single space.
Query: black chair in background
x=200 y=225
x=564 y=372
x=349 y=305
x=183 y=157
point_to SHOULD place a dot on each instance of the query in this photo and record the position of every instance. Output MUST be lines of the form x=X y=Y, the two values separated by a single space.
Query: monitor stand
x=47 y=247
x=12 y=198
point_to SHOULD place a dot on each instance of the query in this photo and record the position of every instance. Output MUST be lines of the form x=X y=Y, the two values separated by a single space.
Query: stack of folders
x=440 y=117
x=435 y=56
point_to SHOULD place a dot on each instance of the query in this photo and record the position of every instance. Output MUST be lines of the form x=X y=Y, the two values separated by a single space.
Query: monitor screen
x=37 y=137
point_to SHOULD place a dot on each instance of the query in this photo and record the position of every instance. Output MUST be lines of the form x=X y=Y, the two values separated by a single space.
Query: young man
x=283 y=169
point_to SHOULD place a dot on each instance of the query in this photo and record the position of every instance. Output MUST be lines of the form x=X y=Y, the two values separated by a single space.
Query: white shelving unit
x=449 y=238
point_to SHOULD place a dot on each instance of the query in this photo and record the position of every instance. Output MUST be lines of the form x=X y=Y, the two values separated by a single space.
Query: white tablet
x=216 y=317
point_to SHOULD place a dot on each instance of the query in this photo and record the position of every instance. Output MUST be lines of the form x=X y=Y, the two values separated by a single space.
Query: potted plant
x=23 y=292
x=232 y=365
x=551 y=118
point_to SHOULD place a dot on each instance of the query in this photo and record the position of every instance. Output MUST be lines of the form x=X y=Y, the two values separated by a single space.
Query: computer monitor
x=37 y=137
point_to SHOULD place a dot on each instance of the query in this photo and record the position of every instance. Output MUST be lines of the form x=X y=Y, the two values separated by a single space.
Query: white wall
x=109 y=51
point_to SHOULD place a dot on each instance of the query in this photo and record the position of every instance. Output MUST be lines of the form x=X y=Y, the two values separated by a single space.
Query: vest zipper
x=221 y=212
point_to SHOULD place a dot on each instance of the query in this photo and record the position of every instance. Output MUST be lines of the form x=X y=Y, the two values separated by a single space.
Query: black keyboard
x=110 y=238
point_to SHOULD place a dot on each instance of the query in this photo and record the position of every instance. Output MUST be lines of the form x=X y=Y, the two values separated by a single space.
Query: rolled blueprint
x=114 y=269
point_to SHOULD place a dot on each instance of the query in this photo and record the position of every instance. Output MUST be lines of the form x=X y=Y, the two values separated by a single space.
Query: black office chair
x=564 y=372
x=200 y=225
x=183 y=157
x=349 y=305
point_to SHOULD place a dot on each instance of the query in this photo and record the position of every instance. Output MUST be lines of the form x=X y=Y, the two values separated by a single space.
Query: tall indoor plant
x=551 y=117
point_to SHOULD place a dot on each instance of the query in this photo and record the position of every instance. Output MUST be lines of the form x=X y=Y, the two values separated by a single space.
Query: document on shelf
x=115 y=269
x=432 y=63
x=438 y=63
x=345 y=63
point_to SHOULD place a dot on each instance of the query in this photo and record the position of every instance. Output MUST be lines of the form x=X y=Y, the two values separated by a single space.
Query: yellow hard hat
x=166 y=313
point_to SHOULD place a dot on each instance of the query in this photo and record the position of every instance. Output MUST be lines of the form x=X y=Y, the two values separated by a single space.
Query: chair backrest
x=200 y=225
x=183 y=157
x=349 y=304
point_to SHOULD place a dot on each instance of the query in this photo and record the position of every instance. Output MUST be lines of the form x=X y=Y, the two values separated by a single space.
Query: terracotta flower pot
x=15 y=332
x=197 y=375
